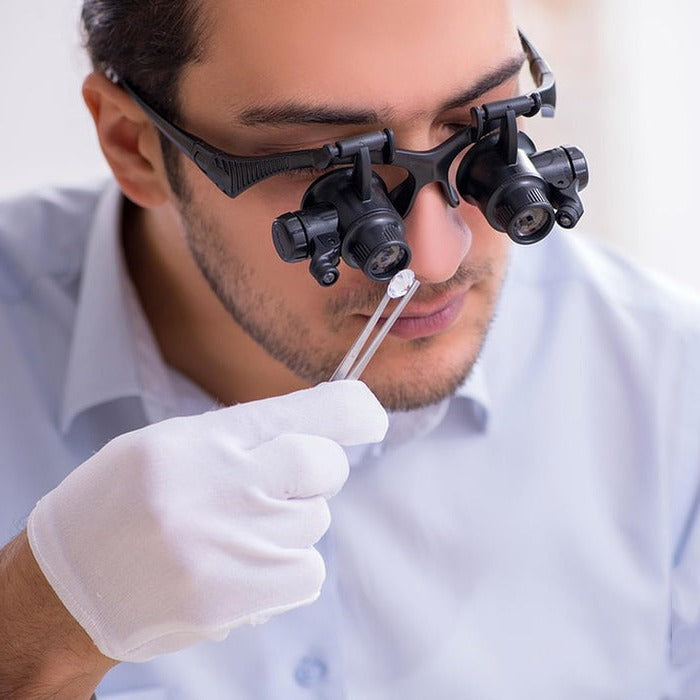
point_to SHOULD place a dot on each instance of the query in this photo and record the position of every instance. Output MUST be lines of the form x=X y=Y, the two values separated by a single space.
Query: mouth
x=421 y=321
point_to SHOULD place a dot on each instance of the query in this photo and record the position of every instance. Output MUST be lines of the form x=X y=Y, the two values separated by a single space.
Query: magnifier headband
x=349 y=212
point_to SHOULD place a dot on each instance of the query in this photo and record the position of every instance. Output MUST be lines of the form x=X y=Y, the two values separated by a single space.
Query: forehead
x=401 y=54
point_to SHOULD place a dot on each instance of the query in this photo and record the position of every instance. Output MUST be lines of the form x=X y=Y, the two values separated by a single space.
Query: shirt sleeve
x=684 y=622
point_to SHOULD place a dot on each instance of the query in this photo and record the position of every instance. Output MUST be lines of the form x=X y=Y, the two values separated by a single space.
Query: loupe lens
x=387 y=261
x=376 y=245
x=522 y=210
x=531 y=225
x=529 y=221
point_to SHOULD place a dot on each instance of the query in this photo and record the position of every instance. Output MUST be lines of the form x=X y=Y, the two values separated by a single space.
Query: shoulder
x=43 y=235
x=574 y=314
x=593 y=280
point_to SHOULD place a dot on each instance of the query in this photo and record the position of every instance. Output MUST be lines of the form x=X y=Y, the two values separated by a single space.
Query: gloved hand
x=185 y=529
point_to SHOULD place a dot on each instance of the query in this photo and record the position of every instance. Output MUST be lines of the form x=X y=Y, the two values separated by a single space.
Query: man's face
x=280 y=76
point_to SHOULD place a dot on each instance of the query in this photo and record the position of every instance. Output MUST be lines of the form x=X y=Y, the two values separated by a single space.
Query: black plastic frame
x=234 y=174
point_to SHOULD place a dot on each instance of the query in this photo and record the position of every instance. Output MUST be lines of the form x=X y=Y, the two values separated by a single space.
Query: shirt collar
x=101 y=362
x=405 y=426
x=475 y=390
x=113 y=353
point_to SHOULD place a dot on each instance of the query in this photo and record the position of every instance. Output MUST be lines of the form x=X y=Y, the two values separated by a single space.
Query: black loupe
x=339 y=219
x=512 y=197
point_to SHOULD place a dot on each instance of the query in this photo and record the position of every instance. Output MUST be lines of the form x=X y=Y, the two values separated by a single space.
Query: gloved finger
x=297 y=582
x=300 y=466
x=344 y=411
x=295 y=523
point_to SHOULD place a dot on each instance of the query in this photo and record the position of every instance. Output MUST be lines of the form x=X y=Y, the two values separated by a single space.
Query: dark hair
x=147 y=43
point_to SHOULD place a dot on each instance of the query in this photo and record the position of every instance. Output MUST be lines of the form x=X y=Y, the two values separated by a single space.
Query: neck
x=194 y=332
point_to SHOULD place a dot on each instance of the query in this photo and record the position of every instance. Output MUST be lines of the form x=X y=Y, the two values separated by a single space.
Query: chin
x=404 y=382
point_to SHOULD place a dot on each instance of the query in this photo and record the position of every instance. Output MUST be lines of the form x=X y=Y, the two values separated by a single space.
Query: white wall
x=47 y=135
x=628 y=96
x=627 y=76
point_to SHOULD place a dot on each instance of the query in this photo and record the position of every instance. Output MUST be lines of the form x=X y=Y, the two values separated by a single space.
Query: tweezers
x=403 y=285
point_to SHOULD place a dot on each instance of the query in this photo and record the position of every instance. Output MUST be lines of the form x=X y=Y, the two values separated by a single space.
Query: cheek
x=242 y=228
x=242 y=225
x=487 y=243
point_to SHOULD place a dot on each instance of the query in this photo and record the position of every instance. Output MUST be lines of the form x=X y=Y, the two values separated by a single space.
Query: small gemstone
x=400 y=283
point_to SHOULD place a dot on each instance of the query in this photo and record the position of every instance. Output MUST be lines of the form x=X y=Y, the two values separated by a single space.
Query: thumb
x=344 y=411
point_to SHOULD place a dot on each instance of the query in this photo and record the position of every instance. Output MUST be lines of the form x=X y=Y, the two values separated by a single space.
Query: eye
x=454 y=127
x=304 y=173
x=310 y=173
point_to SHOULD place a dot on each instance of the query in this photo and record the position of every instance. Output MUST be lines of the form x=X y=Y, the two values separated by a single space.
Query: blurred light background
x=627 y=95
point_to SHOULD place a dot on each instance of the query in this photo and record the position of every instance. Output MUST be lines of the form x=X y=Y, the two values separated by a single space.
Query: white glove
x=185 y=529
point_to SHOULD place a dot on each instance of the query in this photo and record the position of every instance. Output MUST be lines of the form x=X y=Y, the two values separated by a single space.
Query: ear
x=129 y=141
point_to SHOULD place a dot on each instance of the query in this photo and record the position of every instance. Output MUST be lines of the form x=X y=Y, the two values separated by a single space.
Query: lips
x=415 y=323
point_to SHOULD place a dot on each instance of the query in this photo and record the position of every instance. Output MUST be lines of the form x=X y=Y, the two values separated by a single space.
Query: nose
x=438 y=235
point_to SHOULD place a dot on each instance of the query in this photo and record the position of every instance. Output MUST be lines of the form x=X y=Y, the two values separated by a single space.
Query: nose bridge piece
x=426 y=167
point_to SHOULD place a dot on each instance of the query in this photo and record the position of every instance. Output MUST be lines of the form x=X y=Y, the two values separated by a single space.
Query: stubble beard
x=286 y=334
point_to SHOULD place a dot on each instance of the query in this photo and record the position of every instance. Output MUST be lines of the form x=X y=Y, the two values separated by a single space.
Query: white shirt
x=535 y=536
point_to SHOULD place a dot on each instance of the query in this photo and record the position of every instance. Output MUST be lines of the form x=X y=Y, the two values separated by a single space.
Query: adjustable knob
x=289 y=237
x=567 y=216
x=578 y=165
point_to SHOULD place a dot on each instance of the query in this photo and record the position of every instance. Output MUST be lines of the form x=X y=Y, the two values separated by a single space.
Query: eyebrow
x=294 y=113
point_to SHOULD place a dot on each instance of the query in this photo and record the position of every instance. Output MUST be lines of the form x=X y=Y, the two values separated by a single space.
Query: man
x=527 y=527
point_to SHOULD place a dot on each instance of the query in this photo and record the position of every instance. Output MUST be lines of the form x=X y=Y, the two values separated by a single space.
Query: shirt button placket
x=310 y=672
